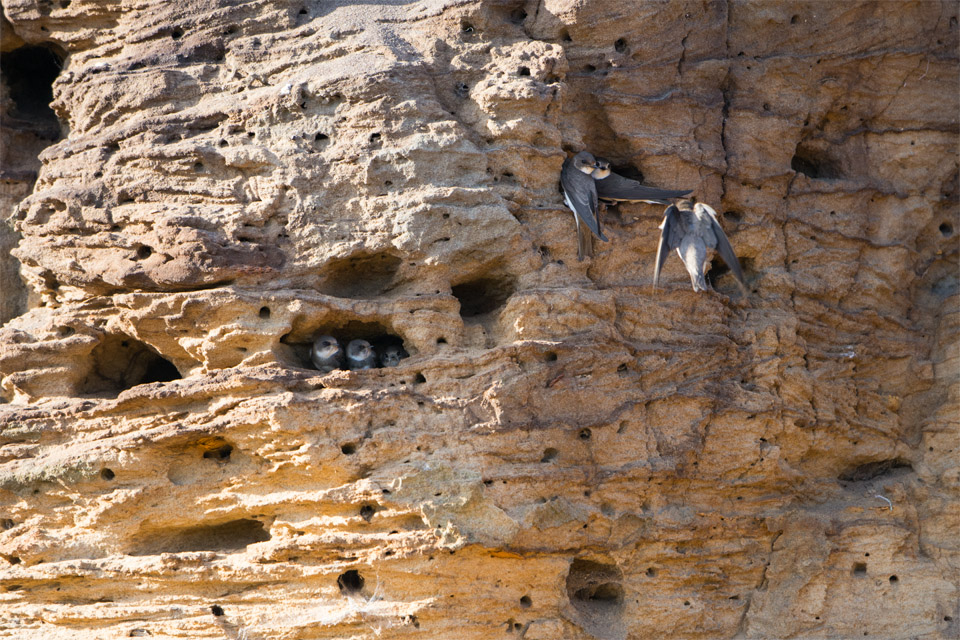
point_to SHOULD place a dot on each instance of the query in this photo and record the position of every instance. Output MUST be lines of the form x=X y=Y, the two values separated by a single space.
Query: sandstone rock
x=565 y=453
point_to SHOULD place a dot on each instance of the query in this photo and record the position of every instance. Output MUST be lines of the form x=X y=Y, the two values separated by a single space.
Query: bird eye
x=326 y=344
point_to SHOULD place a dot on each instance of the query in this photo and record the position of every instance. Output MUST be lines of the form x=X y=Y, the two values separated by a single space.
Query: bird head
x=602 y=169
x=584 y=161
x=392 y=355
x=326 y=347
x=359 y=350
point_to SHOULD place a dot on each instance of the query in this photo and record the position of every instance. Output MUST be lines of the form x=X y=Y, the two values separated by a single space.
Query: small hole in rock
x=620 y=46
x=144 y=252
x=107 y=474
x=517 y=16
x=302 y=12
x=589 y=68
x=482 y=296
x=946 y=229
x=523 y=71
x=584 y=434
x=419 y=379
x=441 y=341
x=219 y=453
x=814 y=163
x=176 y=34
x=198 y=166
x=651 y=572
x=366 y=512
x=350 y=582
x=794 y=19
x=860 y=569
x=526 y=602
x=348 y=449
x=549 y=455
x=894 y=579
x=595 y=591
x=216 y=610
x=264 y=312
x=551 y=356
x=466 y=27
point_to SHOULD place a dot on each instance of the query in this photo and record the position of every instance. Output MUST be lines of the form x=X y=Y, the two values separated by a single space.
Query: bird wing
x=616 y=187
x=726 y=251
x=669 y=240
x=580 y=194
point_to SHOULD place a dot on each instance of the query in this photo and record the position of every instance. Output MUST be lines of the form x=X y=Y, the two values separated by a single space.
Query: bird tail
x=699 y=282
x=584 y=241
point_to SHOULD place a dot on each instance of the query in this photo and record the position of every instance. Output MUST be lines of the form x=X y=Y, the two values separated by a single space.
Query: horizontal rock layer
x=566 y=453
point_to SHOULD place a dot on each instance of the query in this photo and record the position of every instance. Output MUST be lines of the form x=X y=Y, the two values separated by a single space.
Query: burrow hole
x=814 y=163
x=596 y=592
x=482 y=296
x=227 y=536
x=120 y=362
x=216 y=449
x=350 y=582
x=872 y=470
x=28 y=73
x=361 y=276
x=301 y=342
x=549 y=455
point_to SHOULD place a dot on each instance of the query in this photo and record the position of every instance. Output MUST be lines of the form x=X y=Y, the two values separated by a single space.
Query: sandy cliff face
x=566 y=454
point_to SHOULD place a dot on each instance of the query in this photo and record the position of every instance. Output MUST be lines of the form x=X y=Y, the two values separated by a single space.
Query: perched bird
x=580 y=194
x=611 y=186
x=360 y=355
x=691 y=229
x=327 y=354
x=392 y=355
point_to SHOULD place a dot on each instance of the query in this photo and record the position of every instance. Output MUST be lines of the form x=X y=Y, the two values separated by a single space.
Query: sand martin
x=580 y=194
x=611 y=186
x=691 y=229
x=327 y=354
x=360 y=355
x=392 y=355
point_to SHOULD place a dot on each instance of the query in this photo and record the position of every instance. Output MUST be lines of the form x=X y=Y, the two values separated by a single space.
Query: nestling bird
x=360 y=355
x=691 y=229
x=611 y=186
x=580 y=194
x=327 y=354
x=392 y=355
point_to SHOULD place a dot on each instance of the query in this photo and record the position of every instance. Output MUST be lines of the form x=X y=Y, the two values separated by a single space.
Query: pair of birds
x=327 y=355
x=690 y=229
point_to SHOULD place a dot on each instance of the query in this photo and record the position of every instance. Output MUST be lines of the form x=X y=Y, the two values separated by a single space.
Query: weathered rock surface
x=566 y=454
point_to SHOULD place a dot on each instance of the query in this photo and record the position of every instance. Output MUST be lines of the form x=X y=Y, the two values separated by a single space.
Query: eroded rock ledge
x=566 y=454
